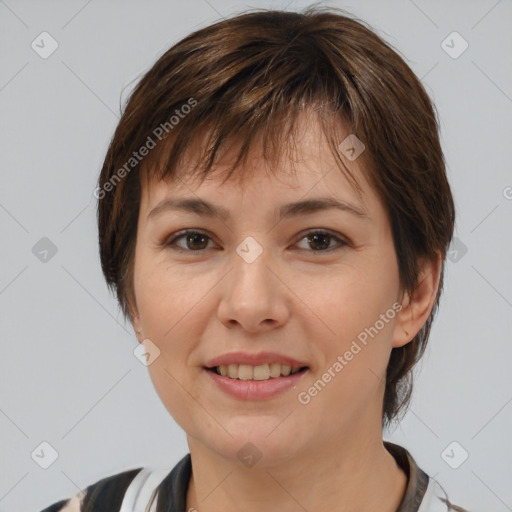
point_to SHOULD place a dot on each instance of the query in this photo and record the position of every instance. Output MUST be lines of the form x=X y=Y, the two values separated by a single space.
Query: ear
x=417 y=305
x=137 y=328
x=135 y=318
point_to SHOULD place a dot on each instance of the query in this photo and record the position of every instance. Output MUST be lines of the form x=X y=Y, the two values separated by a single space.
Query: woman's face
x=316 y=287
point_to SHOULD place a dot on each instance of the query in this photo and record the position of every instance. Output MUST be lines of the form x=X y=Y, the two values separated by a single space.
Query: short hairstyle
x=246 y=79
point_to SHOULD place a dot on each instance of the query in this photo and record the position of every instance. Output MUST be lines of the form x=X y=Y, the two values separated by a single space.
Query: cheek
x=354 y=359
x=166 y=306
x=166 y=299
x=356 y=307
x=348 y=303
x=176 y=393
x=171 y=306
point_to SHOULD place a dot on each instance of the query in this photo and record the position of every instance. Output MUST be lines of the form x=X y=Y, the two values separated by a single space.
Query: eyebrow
x=307 y=206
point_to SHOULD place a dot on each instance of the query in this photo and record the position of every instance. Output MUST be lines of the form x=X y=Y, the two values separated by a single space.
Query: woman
x=274 y=216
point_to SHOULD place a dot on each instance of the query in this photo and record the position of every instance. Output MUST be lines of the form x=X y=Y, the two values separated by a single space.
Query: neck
x=347 y=476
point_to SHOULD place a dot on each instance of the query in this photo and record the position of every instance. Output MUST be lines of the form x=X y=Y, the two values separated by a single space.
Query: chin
x=261 y=443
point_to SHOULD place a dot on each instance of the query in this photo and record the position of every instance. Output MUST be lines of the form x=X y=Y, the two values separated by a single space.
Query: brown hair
x=248 y=78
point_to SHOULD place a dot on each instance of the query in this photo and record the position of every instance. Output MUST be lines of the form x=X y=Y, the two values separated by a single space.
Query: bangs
x=255 y=103
x=205 y=151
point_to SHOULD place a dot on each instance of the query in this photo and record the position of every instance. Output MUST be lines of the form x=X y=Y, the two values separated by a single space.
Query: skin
x=293 y=299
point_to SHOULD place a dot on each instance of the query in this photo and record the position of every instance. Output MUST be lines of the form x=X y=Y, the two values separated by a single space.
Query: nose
x=253 y=296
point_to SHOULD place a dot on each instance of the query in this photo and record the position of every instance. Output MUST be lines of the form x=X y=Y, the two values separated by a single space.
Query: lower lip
x=255 y=389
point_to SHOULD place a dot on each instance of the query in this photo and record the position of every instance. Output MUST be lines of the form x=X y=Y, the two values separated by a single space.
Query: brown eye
x=320 y=241
x=194 y=241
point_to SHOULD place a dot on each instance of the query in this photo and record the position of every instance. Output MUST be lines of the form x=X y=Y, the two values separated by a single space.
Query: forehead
x=306 y=167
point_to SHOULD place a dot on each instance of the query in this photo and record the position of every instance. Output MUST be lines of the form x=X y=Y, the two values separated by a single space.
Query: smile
x=259 y=382
x=260 y=372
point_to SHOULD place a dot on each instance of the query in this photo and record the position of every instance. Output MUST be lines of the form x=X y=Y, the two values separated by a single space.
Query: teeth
x=260 y=372
x=275 y=370
x=245 y=372
x=233 y=371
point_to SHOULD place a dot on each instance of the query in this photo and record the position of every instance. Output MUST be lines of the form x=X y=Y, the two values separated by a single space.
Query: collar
x=417 y=479
x=173 y=495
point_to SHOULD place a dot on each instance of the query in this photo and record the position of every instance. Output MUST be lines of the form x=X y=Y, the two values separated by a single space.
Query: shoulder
x=133 y=489
x=110 y=489
x=423 y=493
x=436 y=499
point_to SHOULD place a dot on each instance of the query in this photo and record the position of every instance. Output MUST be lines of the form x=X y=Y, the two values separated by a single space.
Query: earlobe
x=137 y=328
x=417 y=305
x=135 y=321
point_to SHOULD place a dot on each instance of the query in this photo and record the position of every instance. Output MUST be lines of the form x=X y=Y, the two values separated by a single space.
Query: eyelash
x=181 y=234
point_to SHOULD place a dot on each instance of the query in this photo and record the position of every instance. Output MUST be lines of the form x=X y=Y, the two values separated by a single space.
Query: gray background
x=68 y=373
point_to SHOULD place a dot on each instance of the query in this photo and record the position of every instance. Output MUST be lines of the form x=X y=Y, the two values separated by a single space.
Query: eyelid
x=341 y=241
x=170 y=240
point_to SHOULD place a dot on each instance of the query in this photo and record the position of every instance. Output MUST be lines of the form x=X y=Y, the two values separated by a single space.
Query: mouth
x=262 y=372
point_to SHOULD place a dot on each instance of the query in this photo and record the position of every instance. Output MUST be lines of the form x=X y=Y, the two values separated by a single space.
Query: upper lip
x=253 y=359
